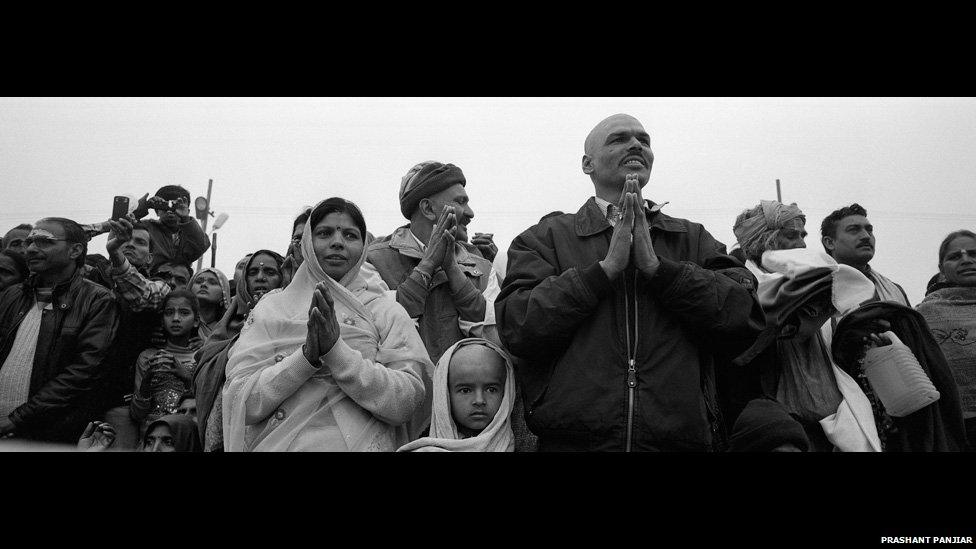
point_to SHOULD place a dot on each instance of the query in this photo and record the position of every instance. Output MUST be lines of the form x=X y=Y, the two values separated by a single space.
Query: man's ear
x=426 y=208
x=149 y=258
x=828 y=244
x=76 y=251
x=587 y=165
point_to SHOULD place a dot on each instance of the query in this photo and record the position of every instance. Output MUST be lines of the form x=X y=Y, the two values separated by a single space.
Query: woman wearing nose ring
x=330 y=363
x=950 y=312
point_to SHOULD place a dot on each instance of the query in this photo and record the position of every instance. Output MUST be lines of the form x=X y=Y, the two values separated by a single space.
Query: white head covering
x=755 y=233
x=370 y=323
x=496 y=437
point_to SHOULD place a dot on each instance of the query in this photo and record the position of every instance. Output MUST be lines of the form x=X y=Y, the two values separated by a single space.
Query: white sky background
x=909 y=161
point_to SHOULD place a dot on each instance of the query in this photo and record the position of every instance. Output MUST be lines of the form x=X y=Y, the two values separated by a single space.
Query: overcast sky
x=909 y=161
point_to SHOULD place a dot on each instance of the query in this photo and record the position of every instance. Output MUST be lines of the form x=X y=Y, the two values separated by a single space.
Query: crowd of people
x=614 y=328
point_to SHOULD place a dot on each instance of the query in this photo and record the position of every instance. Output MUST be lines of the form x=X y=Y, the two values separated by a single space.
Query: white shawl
x=368 y=389
x=851 y=428
x=497 y=435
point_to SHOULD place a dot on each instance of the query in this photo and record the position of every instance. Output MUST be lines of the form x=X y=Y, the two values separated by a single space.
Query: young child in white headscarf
x=474 y=391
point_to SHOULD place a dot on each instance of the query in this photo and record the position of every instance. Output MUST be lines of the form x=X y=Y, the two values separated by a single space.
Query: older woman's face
x=263 y=275
x=160 y=439
x=338 y=244
x=959 y=262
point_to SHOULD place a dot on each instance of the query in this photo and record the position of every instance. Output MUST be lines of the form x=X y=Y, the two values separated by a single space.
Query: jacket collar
x=61 y=295
x=590 y=220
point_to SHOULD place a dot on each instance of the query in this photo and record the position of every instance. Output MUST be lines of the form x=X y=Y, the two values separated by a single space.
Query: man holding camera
x=177 y=237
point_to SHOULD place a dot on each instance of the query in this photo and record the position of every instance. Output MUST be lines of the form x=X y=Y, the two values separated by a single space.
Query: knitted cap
x=764 y=425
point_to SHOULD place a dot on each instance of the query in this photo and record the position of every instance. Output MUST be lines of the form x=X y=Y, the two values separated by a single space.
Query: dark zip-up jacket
x=567 y=324
x=74 y=338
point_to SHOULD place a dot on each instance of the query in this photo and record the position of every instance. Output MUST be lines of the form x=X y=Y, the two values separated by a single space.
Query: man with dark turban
x=439 y=278
x=442 y=281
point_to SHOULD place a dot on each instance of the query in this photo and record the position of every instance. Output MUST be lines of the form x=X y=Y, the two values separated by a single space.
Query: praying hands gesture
x=440 y=247
x=645 y=259
x=631 y=240
x=323 y=328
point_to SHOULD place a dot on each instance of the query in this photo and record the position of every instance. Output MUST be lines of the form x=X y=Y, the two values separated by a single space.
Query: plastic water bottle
x=898 y=379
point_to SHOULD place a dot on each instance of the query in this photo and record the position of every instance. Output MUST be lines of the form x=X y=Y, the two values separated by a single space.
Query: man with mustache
x=618 y=313
x=56 y=329
x=848 y=236
x=439 y=278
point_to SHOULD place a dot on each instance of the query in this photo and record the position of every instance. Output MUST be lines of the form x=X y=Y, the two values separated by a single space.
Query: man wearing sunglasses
x=56 y=329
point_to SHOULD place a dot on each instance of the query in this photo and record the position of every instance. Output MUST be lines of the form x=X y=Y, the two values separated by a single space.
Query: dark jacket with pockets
x=75 y=337
x=568 y=325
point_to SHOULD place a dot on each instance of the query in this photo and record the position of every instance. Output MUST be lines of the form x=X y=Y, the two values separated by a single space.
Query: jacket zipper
x=631 y=362
x=631 y=384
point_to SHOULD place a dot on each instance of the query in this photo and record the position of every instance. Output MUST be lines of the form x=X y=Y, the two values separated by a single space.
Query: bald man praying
x=618 y=314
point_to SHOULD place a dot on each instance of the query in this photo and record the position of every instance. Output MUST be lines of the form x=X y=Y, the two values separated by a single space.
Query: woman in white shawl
x=329 y=363
x=445 y=433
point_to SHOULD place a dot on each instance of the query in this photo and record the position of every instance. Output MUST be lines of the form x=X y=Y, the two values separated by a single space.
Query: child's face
x=178 y=317
x=476 y=384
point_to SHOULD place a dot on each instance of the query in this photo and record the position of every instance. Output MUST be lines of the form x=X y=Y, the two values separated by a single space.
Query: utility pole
x=203 y=212
x=779 y=196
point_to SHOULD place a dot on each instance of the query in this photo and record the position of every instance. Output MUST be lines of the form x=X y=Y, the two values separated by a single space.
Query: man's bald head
x=617 y=147
x=599 y=132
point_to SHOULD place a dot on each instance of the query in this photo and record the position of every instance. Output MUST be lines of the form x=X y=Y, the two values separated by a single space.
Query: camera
x=161 y=204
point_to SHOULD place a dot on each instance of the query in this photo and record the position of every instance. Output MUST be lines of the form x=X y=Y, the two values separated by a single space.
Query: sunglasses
x=42 y=241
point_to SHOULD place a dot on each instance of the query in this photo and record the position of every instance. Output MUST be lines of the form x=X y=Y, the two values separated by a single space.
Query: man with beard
x=617 y=313
x=57 y=328
x=848 y=237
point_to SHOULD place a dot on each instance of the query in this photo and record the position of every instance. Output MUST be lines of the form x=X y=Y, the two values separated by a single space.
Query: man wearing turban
x=771 y=225
x=440 y=279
